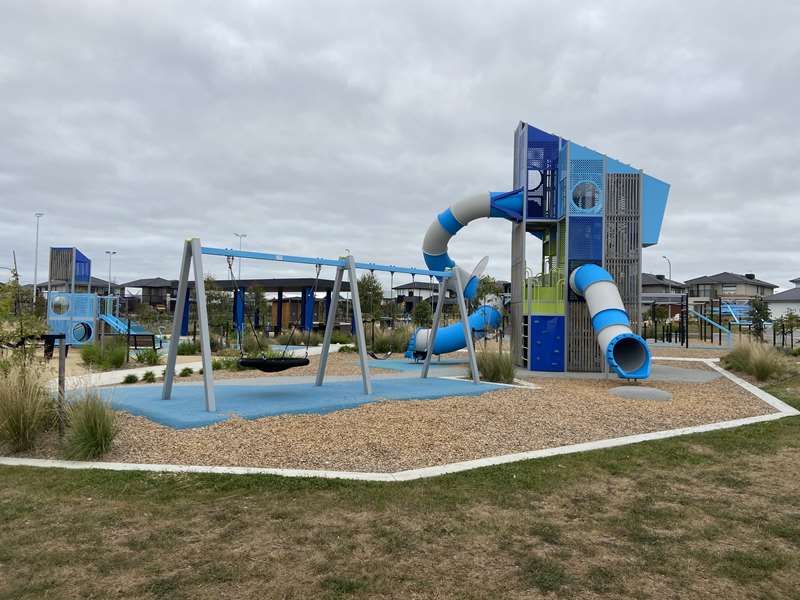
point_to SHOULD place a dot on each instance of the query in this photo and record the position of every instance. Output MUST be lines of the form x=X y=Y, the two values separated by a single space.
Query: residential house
x=156 y=291
x=784 y=302
x=659 y=284
x=728 y=286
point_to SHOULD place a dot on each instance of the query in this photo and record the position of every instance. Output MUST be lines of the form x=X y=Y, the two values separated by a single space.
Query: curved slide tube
x=451 y=338
x=626 y=353
x=507 y=205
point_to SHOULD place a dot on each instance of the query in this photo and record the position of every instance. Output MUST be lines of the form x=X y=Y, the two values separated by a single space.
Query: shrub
x=348 y=349
x=186 y=372
x=228 y=363
x=395 y=340
x=494 y=366
x=107 y=356
x=26 y=409
x=188 y=348
x=92 y=427
x=130 y=378
x=215 y=342
x=253 y=344
x=759 y=360
x=149 y=377
x=299 y=338
x=341 y=337
x=148 y=356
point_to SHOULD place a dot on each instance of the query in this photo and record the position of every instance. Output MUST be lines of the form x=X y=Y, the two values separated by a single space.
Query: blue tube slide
x=451 y=338
x=626 y=353
x=505 y=205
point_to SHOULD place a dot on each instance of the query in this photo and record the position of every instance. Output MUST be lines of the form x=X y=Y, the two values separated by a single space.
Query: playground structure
x=593 y=214
x=192 y=256
x=580 y=313
x=79 y=316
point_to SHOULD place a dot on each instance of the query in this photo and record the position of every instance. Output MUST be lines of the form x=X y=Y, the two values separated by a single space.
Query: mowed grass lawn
x=708 y=516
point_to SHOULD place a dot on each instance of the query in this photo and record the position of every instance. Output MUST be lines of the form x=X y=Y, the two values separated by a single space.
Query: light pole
x=669 y=275
x=38 y=216
x=110 y=254
x=241 y=236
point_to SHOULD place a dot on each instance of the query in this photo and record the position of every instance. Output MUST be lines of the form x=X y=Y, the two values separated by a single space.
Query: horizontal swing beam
x=326 y=262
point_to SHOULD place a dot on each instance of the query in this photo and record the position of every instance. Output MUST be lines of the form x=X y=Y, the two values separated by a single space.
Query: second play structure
x=579 y=310
x=80 y=314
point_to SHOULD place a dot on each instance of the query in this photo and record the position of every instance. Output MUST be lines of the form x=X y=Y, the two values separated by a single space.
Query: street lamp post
x=240 y=236
x=38 y=216
x=110 y=254
x=669 y=272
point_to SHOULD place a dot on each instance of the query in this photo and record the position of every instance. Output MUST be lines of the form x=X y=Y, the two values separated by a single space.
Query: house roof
x=727 y=277
x=650 y=279
x=417 y=285
x=96 y=283
x=149 y=282
x=792 y=295
x=297 y=284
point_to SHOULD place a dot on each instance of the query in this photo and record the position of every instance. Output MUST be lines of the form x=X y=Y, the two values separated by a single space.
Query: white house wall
x=778 y=309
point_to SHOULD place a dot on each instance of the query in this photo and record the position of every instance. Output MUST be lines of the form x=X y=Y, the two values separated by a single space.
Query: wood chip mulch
x=394 y=435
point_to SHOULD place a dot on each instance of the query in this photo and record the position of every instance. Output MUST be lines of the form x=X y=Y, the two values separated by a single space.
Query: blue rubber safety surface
x=186 y=409
x=404 y=364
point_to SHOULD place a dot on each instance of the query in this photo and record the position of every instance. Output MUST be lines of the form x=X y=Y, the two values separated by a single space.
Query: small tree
x=487 y=286
x=370 y=295
x=792 y=320
x=759 y=314
x=19 y=324
x=423 y=314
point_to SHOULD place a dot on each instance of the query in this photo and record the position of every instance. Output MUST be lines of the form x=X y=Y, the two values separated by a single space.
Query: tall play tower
x=584 y=208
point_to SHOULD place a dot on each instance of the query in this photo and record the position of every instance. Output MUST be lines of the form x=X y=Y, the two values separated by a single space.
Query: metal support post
x=181 y=301
x=329 y=325
x=62 y=366
x=462 y=306
x=434 y=328
x=202 y=317
x=359 y=322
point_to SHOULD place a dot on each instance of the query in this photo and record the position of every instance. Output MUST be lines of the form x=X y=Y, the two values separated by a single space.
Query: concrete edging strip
x=784 y=410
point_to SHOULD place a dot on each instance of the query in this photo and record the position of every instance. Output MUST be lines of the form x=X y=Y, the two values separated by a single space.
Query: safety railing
x=543 y=294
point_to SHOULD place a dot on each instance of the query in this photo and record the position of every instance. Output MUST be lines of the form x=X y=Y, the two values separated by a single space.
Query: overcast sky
x=315 y=127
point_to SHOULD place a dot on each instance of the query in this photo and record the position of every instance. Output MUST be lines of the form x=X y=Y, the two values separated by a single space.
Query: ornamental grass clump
x=759 y=360
x=494 y=366
x=92 y=427
x=26 y=408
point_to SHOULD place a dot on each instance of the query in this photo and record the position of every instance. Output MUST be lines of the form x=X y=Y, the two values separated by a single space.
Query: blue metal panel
x=185 y=316
x=74 y=315
x=542 y=163
x=547 y=343
x=307 y=310
x=505 y=204
x=238 y=309
x=585 y=238
x=654 y=205
x=586 y=172
x=615 y=166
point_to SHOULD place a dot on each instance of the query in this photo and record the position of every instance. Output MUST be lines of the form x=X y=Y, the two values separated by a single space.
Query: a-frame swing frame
x=193 y=257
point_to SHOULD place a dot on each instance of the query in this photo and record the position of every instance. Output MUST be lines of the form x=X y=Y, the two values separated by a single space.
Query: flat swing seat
x=385 y=356
x=273 y=365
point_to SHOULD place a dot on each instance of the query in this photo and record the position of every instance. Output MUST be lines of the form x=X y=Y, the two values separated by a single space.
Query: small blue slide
x=120 y=326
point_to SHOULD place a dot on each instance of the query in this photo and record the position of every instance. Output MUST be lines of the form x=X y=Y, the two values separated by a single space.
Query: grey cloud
x=316 y=126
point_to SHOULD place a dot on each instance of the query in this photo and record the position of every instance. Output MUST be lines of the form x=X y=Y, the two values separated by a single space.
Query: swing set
x=262 y=362
x=193 y=253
